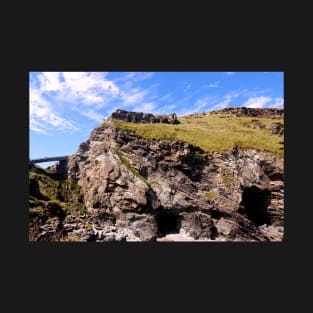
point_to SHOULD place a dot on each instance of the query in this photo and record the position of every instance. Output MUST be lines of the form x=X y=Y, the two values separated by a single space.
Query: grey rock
x=126 y=181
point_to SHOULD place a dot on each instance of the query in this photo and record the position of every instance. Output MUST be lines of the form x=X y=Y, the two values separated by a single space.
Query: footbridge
x=48 y=159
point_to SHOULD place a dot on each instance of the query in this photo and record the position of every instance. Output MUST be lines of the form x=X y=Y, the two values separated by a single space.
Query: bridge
x=48 y=159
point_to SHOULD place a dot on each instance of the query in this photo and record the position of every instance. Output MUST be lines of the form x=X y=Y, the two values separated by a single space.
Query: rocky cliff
x=135 y=188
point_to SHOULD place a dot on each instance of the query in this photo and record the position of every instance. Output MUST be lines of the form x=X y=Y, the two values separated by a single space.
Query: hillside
x=216 y=133
x=215 y=176
x=52 y=197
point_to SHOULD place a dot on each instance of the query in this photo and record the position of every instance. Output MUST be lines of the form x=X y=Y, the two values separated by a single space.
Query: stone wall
x=137 y=117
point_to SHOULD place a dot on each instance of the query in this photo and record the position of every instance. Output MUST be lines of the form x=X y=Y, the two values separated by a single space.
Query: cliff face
x=149 y=188
x=137 y=189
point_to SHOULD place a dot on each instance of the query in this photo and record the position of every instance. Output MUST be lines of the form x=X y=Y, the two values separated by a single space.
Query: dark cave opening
x=168 y=223
x=254 y=204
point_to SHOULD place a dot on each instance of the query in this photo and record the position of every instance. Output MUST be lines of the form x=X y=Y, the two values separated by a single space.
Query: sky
x=64 y=107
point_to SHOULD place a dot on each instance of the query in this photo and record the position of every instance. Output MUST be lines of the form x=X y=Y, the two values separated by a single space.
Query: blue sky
x=64 y=107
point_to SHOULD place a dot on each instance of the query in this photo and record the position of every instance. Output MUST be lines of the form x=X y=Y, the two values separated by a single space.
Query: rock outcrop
x=137 y=117
x=138 y=189
x=244 y=111
x=133 y=189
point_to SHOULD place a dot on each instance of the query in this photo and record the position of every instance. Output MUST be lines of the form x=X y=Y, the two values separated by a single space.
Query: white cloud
x=257 y=102
x=132 y=77
x=185 y=109
x=78 y=90
x=50 y=81
x=279 y=103
x=90 y=88
x=230 y=73
x=79 y=81
x=203 y=102
x=144 y=75
x=255 y=92
x=42 y=117
x=227 y=99
x=135 y=95
x=93 y=115
x=213 y=85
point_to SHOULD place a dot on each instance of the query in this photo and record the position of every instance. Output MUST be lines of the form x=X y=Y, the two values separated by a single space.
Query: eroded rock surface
x=145 y=190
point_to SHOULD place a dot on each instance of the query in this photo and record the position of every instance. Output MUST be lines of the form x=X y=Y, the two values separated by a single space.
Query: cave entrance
x=254 y=204
x=168 y=223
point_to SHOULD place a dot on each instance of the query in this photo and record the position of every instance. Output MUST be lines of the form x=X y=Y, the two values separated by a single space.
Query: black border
x=230 y=271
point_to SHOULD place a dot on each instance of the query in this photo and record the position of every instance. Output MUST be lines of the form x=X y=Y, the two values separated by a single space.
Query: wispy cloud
x=255 y=92
x=167 y=97
x=93 y=115
x=213 y=85
x=226 y=101
x=76 y=90
x=85 y=93
x=43 y=118
x=257 y=102
x=278 y=103
x=200 y=104
x=88 y=88
x=144 y=75
x=186 y=85
x=132 y=77
x=57 y=99
x=135 y=95
x=204 y=102
x=165 y=109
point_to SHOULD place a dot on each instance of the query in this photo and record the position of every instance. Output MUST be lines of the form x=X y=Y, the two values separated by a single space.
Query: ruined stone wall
x=137 y=117
x=255 y=112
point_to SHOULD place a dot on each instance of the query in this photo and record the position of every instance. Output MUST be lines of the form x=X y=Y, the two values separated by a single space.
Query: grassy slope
x=213 y=133
x=51 y=192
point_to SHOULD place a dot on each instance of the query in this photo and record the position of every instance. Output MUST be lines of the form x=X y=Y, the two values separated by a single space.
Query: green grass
x=88 y=226
x=211 y=195
x=52 y=192
x=128 y=165
x=212 y=133
x=227 y=176
x=70 y=238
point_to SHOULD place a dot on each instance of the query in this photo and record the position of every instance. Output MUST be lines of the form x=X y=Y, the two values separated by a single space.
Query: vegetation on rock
x=212 y=133
x=128 y=165
x=51 y=194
